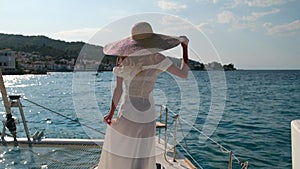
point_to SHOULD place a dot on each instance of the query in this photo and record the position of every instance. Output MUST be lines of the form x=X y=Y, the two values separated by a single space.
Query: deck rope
x=190 y=155
x=53 y=111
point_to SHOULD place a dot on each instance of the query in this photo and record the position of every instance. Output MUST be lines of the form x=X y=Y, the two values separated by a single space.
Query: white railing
x=178 y=119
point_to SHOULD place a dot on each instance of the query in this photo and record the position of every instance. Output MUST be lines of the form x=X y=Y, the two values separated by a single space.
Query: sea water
x=255 y=123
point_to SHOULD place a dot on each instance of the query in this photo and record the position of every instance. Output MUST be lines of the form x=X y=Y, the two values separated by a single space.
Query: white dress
x=130 y=142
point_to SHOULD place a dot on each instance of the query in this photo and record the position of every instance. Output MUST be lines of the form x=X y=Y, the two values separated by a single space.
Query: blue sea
x=251 y=116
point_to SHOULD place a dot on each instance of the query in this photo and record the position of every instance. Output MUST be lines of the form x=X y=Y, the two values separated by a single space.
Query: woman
x=130 y=138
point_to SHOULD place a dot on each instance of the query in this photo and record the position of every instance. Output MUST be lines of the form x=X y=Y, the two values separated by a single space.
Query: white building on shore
x=7 y=60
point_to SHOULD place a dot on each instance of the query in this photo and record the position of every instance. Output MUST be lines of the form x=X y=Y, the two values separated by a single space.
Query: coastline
x=100 y=71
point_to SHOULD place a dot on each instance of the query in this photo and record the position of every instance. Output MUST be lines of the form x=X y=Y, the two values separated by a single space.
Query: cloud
x=264 y=3
x=226 y=17
x=215 y=1
x=241 y=22
x=256 y=3
x=174 y=23
x=170 y=5
x=256 y=15
x=205 y=27
x=83 y=34
x=291 y=27
x=170 y=20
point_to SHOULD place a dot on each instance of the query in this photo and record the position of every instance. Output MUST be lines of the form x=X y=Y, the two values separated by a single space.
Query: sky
x=251 y=34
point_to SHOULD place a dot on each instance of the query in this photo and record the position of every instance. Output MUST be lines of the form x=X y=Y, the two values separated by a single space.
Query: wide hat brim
x=138 y=47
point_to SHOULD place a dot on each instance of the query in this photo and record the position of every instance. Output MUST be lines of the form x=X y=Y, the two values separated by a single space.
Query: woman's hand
x=184 y=41
x=108 y=118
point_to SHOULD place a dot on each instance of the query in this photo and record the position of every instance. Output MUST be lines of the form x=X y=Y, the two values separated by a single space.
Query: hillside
x=41 y=44
x=45 y=46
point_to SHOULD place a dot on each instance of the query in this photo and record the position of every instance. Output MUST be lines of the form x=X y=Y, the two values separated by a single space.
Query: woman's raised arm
x=184 y=69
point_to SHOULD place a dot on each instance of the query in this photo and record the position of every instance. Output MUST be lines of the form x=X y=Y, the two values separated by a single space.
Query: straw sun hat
x=141 y=42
